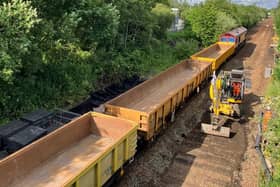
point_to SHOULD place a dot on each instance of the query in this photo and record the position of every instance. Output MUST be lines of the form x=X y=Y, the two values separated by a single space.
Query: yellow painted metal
x=89 y=167
x=275 y=39
x=215 y=95
x=108 y=163
x=232 y=100
x=141 y=118
x=218 y=86
x=98 y=174
x=226 y=109
x=219 y=107
x=77 y=184
x=151 y=122
x=216 y=54
x=126 y=152
x=115 y=159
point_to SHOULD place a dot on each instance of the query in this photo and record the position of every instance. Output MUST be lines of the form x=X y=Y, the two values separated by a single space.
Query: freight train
x=92 y=148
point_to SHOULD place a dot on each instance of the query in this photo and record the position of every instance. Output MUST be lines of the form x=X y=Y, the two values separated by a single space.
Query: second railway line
x=182 y=156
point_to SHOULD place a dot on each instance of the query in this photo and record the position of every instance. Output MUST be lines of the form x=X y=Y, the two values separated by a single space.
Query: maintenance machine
x=226 y=94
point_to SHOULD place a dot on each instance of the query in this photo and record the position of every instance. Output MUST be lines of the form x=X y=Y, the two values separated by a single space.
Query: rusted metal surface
x=216 y=54
x=150 y=103
x=60 y=157
x=152 y=93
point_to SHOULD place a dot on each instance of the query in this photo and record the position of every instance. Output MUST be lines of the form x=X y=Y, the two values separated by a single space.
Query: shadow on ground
x=219 y=156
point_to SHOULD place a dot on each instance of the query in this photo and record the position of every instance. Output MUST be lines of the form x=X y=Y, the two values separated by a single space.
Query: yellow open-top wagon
x=86 y=152
x=216 y=54
x=152 y=103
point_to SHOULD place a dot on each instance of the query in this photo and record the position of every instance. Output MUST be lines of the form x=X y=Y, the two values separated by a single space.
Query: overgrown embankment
x=272 y=135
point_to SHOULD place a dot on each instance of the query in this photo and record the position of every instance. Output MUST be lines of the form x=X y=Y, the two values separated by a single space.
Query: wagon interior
x=214 y=51
x=63 y=154
x=149 y=95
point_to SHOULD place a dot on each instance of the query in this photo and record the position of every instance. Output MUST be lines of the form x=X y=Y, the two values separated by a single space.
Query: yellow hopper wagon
x=216 y=54
x=85 y=152
x=153 y=103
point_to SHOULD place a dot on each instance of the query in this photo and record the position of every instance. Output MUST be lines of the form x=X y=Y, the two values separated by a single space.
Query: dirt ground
x=255 y=65
x=182 y=156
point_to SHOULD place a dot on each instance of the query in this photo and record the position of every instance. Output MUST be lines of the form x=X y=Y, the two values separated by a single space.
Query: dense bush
x=17 y=18
x=213 y=17
x=272 y=148
x=52 y=53
x=272 y=135
x=277 y=20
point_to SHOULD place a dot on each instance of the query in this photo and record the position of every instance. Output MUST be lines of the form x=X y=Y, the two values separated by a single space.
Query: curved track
x=182 y=156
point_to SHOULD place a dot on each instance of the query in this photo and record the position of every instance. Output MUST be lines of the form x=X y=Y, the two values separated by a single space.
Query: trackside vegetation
x=272 y=135
x=53 y=53
x=210 y=19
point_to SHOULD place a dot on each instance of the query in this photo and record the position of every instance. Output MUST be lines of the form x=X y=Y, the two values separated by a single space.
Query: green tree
x=55 y=9
x=136 y=23
x=203 y=21
x=52 y=53
x=17 y=18
x=164 y=20
x=224 y=22
x=211 y=18
x=97 y=24
x=277 y=20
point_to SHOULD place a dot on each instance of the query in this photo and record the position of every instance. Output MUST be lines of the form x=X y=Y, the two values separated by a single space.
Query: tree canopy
x=211 y=18
x=54 y=52
x=17 y=18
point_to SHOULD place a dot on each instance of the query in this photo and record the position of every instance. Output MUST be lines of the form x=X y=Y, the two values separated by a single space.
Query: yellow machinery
x=226 y=94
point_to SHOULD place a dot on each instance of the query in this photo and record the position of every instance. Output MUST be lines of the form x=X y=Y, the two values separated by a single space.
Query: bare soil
x=182 y=156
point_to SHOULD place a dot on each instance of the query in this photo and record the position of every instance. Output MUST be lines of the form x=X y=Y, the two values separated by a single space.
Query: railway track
x=206 y=160
x=182 y=156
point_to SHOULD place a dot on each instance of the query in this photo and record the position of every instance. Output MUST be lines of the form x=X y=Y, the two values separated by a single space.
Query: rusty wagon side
x=152 y=103
x=85 y=152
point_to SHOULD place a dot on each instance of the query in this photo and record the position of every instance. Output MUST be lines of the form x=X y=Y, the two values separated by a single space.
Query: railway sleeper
x=217 y=150
x=208 y=142
x=232 y=161
x=209 y=164
x=207 y=175
x=186 y=175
